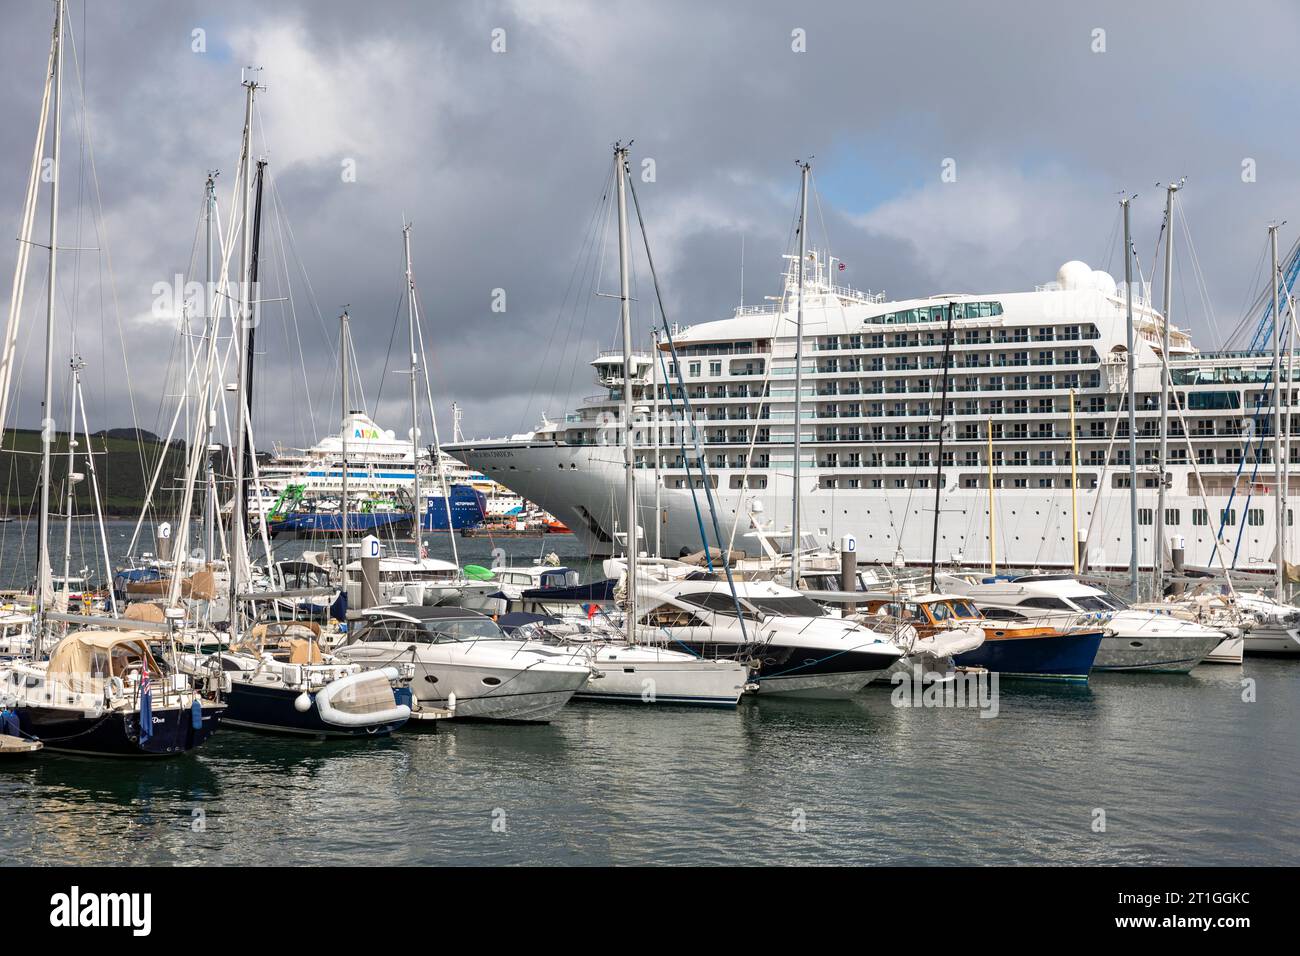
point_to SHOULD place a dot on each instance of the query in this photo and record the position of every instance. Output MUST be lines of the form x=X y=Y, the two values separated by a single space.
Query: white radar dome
x=1104 y=282
x=1074 y=275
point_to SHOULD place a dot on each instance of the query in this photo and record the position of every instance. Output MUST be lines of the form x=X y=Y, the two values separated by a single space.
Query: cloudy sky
x=1046 y=112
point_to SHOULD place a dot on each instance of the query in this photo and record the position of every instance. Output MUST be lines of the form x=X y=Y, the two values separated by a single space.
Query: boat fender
x=302 y=703
x=451 y=702
x=331 y=715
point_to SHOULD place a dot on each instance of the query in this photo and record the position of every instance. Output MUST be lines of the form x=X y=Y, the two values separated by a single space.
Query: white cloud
x=996 y=223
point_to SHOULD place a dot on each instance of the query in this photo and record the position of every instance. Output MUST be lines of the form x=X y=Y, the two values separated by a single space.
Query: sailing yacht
x=101 y=691
x=104 y=693
x=277 y=680
x=1276 y=632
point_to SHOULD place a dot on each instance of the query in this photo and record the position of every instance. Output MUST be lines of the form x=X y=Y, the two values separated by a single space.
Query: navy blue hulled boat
x=1043 y=653
x=277 y=681
x=102 y=693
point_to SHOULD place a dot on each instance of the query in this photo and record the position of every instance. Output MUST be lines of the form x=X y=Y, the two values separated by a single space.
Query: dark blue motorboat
x=1042 y=653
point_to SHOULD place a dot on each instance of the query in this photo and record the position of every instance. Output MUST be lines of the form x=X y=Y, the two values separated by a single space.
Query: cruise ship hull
x=582 y=485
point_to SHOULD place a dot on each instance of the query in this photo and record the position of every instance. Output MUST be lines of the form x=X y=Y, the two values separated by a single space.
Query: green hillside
x=123 y=464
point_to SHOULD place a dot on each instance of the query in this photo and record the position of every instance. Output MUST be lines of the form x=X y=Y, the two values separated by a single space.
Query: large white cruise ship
x=870 y=421
x=381 y=466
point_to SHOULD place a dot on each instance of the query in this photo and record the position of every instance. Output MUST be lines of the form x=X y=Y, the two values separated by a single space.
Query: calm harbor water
x=1185 y=771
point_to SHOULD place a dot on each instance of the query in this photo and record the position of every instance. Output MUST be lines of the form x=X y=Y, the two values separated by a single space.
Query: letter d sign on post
x=370 y=551
x=849 y=567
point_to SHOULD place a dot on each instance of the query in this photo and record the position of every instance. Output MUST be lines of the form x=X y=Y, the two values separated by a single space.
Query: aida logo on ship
x=365 y=432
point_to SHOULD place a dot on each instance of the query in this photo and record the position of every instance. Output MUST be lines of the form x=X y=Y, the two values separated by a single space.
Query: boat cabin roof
x=85 y=652
x=422 y=612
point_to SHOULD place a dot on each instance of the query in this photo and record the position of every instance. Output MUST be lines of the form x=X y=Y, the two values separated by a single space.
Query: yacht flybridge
x=872 y=382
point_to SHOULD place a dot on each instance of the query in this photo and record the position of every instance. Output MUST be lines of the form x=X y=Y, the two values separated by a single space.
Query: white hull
x=1274 y=639
x=582 y=486
x=699 y=682
x=1229 y=651
x=483 y=691
x=534 y=695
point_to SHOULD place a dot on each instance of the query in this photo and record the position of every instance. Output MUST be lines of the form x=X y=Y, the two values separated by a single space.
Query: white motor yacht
x=462 y=655
x=797 y=649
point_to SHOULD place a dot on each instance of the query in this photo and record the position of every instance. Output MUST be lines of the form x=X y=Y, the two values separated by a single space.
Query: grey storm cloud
x=499 y=160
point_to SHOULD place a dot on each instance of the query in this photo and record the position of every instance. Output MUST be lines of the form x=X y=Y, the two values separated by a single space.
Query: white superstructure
x=380 y=463
x=870 y=413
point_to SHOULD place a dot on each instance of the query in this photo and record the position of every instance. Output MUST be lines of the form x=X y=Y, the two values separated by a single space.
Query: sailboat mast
x=993 y=553
x=343 y=371
x=1074 y=488
x=629 y=448
x=1286 y=425
x=938 y=464
x=1279 y=495
x=255 y=250
x=654 y=418
x=70 y=485
x=209 y=413
x=804 y=167
x=1158 y=546
x=237 y=556
x=416 y=504
x=1132 y=405
x=44 y=584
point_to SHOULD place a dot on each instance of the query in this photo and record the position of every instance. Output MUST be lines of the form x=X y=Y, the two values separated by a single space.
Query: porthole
x=431 y=678
x=491 y=681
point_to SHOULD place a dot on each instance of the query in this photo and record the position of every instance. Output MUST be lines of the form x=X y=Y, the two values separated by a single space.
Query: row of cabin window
x=1201 y=517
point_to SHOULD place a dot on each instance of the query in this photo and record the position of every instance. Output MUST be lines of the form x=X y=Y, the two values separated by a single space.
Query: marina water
x=1131 y=769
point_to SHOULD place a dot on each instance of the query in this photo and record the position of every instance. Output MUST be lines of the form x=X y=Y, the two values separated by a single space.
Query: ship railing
x=618 y=353
x=770 y=308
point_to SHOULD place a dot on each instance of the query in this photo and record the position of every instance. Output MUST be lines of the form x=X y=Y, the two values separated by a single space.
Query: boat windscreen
x=720 y=602
x=463 y=629
x=964 y=610
x=794 y=606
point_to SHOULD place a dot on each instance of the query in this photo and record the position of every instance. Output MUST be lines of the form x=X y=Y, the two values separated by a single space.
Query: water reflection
x=1187 y=770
